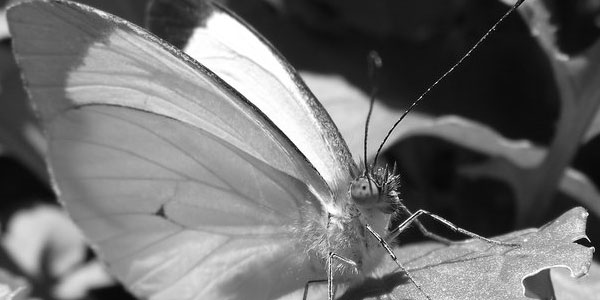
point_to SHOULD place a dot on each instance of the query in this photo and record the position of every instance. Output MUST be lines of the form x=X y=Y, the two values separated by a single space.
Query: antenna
x=374 y=63
x=460 y=61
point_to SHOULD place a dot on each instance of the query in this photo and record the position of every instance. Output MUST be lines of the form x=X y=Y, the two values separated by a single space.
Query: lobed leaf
x=569 y=288
x=577 y=79
x=476 y=270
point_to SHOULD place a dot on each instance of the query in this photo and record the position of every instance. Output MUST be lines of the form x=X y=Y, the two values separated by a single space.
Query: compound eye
x=364 y=191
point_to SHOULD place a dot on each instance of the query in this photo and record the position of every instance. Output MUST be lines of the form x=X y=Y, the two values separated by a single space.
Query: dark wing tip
x=175 y=20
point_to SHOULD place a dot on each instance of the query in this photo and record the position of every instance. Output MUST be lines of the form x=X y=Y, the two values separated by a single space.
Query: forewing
x=246 y=61
x=184 y=187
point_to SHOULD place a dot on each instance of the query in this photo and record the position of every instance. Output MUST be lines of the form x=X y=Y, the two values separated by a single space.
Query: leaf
x=44 y=229
x=47 y=246
x=12 y=287
x=479 y=137
x=577 y=79
x=569 y=288
x=577 y=76
x=3 y=25
x=475 y=270
x=513 y=162
x=78 y=283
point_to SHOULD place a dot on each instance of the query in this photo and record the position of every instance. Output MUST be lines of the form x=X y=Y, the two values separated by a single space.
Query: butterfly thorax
x=341 y=228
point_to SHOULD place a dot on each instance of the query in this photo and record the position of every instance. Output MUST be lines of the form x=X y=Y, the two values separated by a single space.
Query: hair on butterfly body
x=371 y=198
x=347 y=237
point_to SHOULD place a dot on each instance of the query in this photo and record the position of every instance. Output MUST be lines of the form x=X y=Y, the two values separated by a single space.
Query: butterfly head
x=376 y=188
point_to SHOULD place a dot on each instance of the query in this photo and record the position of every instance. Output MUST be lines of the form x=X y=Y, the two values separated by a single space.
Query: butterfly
x=208 y=173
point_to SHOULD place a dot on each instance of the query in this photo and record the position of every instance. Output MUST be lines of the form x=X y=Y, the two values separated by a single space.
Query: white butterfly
x=224 y=179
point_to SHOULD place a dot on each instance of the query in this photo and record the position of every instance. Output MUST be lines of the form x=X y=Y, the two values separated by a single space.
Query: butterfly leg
x=387 y=248
x=305 y=295
x=330 y=258
x=423 y=230
x=413 y=219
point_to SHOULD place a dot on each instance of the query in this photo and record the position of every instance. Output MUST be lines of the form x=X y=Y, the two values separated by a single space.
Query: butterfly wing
x=185 y=188
x=245 y=60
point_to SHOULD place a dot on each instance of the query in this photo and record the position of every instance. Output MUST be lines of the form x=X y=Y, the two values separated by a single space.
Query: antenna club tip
x=375 y=59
